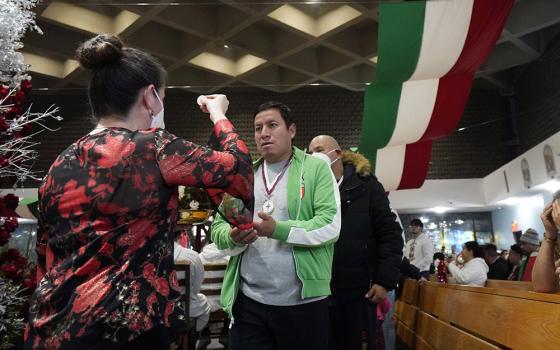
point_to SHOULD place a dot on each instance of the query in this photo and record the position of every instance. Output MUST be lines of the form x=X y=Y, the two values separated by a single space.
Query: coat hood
x=361 y=163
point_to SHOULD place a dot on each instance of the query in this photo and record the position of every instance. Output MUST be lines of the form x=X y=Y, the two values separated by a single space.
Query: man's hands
x=243 y=237
x=376 y=294
x=264 y=228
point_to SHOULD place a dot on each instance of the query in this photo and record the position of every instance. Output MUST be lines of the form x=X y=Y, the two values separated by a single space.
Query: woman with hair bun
x=108 y=206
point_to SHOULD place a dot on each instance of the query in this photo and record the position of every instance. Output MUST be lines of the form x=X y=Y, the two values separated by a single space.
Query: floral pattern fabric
x=108 y=207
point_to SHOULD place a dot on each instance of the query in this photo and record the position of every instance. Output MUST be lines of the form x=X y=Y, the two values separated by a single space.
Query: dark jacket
x=499 y=270
x=369 y=248
x=407 y=270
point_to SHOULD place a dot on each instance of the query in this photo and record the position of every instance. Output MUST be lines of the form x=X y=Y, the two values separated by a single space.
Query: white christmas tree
x=17 y=148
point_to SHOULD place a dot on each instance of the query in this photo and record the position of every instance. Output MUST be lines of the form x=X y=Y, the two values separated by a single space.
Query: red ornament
x=11 y=271
x=4 y=161
x=26 y=86
x=11 y=201
x=4 y=91
x=442 y=272
x=5 y=236
x=14 y=257
x=3 y=124
x=10 y=224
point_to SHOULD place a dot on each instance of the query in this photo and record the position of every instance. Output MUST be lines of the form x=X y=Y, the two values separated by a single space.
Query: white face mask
x=157 y=120
x=322 y=156
x=325 y=156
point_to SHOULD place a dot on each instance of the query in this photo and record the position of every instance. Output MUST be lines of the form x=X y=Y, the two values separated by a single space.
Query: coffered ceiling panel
x=276 y=45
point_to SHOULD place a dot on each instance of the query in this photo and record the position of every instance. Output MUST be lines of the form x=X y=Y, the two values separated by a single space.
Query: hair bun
x=99 y=51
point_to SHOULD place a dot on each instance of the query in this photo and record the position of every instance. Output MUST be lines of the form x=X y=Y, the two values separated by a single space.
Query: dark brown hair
x=118 y=74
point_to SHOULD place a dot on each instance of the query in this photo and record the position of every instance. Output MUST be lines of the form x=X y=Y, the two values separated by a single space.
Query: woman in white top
x=474 y=270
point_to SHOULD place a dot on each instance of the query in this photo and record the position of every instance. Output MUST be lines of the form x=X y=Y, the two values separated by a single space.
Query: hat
x=530 y=236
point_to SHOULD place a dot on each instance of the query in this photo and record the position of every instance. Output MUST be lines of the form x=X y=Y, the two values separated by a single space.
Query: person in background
x=504 y=254
x=199 y=307
x=437 y=258
x=108 y=205
x=515 y=255
x=210 y=255
x=529 y=243
x=545 y=271
x=498 y=268
x=474 y=271
x=420 y=249
x=368 y=251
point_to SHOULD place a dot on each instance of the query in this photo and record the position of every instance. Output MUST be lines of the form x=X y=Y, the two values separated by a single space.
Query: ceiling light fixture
x=440 y=210
x=300 y=20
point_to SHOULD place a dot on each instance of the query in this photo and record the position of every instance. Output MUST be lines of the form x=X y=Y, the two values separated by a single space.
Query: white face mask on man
x=157 y=120
x=325 y=156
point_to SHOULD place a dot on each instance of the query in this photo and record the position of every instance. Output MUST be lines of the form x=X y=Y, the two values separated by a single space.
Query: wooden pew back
x=211 y=287
x=462 y=317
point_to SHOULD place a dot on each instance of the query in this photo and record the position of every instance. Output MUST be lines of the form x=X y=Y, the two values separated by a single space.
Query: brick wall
x=472 y=153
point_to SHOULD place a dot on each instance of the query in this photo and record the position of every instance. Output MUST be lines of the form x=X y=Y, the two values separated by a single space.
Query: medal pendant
x=268 y=207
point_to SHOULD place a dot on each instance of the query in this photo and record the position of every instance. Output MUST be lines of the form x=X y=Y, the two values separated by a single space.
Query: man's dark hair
x=516 y=248
x=475 y=248
x=490 y=249
x=284 y=110
x=417 y=222
x=439 y=256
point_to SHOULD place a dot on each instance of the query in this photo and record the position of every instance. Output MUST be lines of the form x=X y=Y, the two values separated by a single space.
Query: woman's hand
x=217 y=105
x=550 y=222
x=556 y=215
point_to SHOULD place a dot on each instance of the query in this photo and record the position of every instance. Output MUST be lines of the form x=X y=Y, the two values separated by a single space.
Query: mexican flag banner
x=428 y=53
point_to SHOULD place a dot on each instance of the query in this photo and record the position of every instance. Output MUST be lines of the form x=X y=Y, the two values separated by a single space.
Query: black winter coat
x=369 y=248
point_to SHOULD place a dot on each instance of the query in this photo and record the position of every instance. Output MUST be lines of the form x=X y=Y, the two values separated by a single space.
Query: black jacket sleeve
x=388 y=238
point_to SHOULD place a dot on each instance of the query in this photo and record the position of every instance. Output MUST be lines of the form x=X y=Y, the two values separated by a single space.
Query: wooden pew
x=514 y=319
x=517 y=285
x=462 y=317
x=185 y=340
x=212 y=287
x=436 y=334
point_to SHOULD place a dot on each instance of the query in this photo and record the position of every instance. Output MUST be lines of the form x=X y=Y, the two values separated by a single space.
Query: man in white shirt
x=199 y=307
x=420 y=249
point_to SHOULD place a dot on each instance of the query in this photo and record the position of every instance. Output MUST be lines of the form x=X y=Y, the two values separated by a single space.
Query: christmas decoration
x=441 y=271
x=16 y=18
x=18 y=126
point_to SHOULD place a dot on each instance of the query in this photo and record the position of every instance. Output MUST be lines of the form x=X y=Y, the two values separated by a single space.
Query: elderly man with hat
x=529 y=243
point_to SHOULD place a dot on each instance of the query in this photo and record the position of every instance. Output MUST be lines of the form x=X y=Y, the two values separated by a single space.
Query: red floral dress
x=105 y=243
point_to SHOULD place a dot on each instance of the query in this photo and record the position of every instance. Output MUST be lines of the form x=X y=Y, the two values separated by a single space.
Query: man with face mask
x=368 y=253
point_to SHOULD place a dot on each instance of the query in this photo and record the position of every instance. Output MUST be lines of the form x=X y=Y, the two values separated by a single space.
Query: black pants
x=158 y=337
x=351 y=324
x=258 y=326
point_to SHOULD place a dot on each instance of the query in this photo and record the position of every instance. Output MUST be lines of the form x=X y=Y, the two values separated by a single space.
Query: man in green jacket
x=278 y=278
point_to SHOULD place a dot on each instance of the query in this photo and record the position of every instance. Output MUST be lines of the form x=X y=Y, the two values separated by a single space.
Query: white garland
x=16 y=18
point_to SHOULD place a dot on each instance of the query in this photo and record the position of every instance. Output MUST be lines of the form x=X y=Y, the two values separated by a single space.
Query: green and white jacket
x=314 y=225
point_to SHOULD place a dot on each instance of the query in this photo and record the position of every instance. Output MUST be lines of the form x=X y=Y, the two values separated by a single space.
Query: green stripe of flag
x=400 y=38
